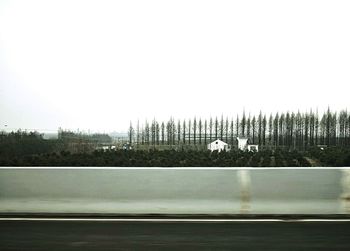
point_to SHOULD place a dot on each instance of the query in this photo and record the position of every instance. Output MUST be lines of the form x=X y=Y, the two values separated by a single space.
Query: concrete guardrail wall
x=175 y=190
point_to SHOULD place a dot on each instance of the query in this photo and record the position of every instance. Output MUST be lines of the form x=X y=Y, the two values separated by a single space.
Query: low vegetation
x=172 y=158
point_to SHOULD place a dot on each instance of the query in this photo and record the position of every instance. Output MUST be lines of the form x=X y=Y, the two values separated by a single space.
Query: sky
x=99 y=64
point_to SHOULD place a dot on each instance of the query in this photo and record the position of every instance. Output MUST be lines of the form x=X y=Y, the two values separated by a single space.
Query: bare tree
x=178 y=132
x=270 y=130
x=153 y=132
x=264 y=130
x=200 y=131
x=147 y=133
x=173 y=131
x=260 y=128
x=184 y=132
x=131 y=133
x=328 y=126
x=316 y=129
x=138 y=132
x=168 y=132
x=222 y=128
x=157 y=133
x=281 y=129
x=243 y=125
x=163 y=133
x=226 y=130
x=248 y=127
x=306 y=131
x=210 y=129
x=231 y=131
x=253 y=125
x=189 y=131
x=194 y=130
x=275 y=132
x=312 y=128
x=142 y=136
x=216 y=127
x=287 y=132
x=205 y=131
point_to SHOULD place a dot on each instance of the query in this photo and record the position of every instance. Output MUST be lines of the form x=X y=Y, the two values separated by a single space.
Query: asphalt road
x=87 y=235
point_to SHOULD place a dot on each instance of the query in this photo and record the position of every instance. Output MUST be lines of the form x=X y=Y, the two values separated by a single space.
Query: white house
x=218 y=145
x=253 y=148
x=242 y=143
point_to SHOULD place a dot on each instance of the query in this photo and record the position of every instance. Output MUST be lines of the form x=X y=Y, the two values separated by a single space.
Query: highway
x=173 y=235
x=174 y=209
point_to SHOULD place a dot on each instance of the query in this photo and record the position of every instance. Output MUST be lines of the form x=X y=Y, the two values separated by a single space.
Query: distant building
x=219 y=145
x=106 y=148
x=50 y=135
x=322 y=147
x=253 y=148
x=242 y=143
x=127 y=146
x=244 y=146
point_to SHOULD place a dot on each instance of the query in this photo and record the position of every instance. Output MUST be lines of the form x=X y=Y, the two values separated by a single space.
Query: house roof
x=218 y=140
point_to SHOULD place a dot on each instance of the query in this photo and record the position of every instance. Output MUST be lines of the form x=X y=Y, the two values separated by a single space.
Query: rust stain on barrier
x=245 y=190
x=345 y=196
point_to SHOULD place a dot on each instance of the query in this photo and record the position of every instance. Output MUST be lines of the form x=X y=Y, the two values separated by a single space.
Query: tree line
x=291 y=130
x=22 y=143
x=70 y=136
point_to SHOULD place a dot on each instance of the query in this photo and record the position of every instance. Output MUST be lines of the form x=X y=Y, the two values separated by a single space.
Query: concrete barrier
x=175 y=190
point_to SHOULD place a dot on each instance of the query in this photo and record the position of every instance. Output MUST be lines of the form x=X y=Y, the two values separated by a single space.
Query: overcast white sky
x=98 y=64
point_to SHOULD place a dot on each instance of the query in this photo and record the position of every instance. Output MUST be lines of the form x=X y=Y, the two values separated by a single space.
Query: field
x=30 y=149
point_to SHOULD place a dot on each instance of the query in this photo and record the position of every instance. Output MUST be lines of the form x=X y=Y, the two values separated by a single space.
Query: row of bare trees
x=289 y=130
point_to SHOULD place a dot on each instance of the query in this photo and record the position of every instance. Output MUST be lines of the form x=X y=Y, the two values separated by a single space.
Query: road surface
x=164 y=235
